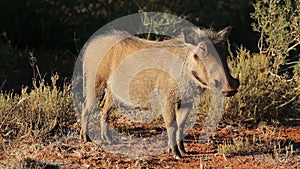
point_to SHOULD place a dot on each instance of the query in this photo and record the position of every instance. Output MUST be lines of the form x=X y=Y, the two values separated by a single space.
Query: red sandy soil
x=69 y=152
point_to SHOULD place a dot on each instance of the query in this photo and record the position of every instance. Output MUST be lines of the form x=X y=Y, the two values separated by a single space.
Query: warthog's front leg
x=171 y=125
x=181 y=117
x=107 y=106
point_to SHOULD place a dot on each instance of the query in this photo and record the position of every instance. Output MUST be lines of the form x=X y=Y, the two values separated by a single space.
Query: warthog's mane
x=208 y=34
x=204 y=34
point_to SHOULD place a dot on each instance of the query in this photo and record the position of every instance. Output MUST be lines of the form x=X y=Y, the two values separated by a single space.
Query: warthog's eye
x=217 y=83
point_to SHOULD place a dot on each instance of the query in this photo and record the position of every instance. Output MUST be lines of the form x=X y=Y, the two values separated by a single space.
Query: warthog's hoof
x=84 y=137
x=177 y=154
x=184 y=152
x=169 y=150
x=177 y=157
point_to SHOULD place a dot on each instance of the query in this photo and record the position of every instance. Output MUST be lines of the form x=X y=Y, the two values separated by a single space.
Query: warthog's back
x=143 y=83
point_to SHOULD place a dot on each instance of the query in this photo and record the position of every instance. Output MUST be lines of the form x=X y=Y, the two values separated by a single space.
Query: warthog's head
x=208 y=60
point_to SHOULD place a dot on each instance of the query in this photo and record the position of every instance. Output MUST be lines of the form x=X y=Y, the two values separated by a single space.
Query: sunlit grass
x=36 y=112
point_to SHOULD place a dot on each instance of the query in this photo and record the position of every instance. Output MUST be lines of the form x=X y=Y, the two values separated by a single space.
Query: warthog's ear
x=222 y=35
x=190 y=36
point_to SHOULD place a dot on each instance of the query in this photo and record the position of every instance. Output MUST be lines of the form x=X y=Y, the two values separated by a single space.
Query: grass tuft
x=35 y=113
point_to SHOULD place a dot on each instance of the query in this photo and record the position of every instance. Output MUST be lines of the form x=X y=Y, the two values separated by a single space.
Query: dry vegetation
x=39 y=128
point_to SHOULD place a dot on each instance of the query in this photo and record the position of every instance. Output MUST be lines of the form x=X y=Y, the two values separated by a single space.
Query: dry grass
x=44 y=115
x=265 y=140
x=35 y=113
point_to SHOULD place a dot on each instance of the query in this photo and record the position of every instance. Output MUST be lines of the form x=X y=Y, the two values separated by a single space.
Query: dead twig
x=3 y=83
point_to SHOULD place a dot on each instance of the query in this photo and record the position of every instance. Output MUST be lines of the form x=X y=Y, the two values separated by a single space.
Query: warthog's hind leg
x=107 y=106
x=84 y=123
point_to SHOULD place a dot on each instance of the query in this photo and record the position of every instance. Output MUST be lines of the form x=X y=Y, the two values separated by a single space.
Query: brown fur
x=201 y=72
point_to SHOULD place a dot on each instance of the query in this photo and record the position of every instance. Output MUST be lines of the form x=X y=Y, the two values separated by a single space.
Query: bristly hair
x=208 y=34
x=204 y=34
x=212 y=35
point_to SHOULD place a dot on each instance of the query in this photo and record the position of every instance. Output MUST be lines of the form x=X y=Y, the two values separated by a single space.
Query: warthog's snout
x=229 y=92
x=232 y=89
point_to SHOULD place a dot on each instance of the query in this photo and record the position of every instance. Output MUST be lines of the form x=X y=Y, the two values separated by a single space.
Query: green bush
x=278 y=23
x=270 y=82
x=262 y=96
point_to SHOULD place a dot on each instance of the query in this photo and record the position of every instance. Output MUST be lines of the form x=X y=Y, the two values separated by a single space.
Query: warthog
x=204 y=57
